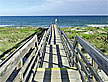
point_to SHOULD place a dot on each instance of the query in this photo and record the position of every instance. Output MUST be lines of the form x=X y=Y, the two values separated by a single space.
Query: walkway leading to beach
x=54 y=58
x=54 y=65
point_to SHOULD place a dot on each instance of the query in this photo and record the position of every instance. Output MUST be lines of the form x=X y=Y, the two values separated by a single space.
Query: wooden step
x=57 y=75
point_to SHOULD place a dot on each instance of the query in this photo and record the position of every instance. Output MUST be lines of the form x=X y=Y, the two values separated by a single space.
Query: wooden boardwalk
x=54 y=58
x=54 y=66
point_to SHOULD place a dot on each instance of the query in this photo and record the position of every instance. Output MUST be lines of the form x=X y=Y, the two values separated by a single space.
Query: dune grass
x=9 y=37
x=95 y=35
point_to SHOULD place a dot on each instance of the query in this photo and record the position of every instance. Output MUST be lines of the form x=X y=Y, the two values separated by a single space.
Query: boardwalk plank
x=56 y=59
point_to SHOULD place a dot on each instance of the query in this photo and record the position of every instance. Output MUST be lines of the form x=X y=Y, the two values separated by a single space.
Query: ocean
x=44 y=21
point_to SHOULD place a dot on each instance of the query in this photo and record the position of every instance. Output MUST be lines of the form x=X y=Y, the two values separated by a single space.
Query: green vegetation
x=12 y=38
x=95 y=35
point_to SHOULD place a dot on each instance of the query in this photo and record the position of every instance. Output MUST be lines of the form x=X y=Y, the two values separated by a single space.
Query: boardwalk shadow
x=50 y=36
x=64 y=73
x=50 y=57
x=51 y=33
x=47 y=74
x=42 y=58
x=54 y=35
x=64 y=76
x=59 y=57
x=50 y=61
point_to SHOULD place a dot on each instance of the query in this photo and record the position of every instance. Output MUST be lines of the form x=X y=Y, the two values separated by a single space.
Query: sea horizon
x=63 y=21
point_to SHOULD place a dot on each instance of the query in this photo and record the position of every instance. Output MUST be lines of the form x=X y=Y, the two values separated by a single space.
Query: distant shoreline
x=89 y=25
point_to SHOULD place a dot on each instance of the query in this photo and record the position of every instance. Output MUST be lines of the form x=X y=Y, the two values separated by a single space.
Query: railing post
x=19 y=67
x=36 y=42
x=95 y=66
x=79 y=46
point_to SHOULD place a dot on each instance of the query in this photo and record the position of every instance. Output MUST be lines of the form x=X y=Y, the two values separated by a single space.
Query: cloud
x=70 y=7
x=53 y=7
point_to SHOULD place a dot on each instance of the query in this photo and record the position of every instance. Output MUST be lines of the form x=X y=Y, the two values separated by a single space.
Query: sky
x=53 y=7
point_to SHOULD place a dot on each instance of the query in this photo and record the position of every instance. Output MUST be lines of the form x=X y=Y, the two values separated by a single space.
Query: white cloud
x=50 y=7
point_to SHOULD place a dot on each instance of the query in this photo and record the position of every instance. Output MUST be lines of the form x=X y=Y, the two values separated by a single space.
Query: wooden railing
x=20 y=65
x=87 y=68
x=15 y=59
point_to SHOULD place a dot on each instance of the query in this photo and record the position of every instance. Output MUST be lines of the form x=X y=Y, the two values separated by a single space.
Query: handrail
x=78 y=56
x=99 y=58
x=7 y=66
x=19 y=44
x=22 y=60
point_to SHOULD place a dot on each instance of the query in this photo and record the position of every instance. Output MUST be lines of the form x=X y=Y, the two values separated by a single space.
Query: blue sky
x=53 y=7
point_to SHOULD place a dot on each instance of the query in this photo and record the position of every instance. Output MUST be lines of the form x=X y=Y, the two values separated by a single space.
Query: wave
x=96 y=25
x=5 y=25
x=15 y=25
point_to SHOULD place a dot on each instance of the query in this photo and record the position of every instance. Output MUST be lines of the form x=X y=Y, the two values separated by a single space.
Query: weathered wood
x=95 y=66
x=99 y=58
x=82 y=65
x=32 y=62
x=75 y=43
x=81 y=73
x=85 y=70
x=31 y=77
x=73 y=47
x=97 y=77
x=69 y=43
x=25 y=65
x=28 y=70
x=67 y=49
x=42 y=40
x=42 y=44
x=55 y=60
x=74 y=61
x=7 y=68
